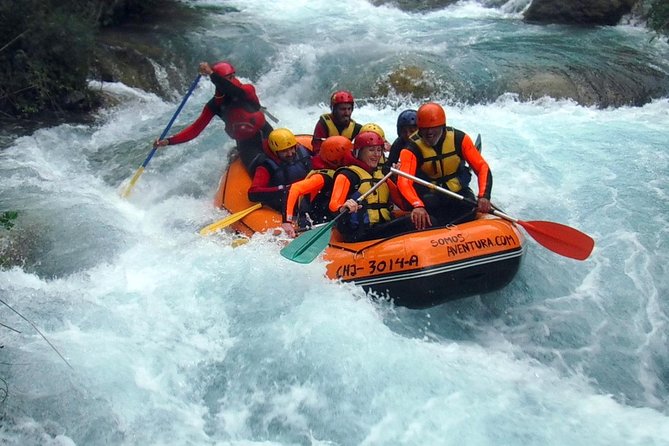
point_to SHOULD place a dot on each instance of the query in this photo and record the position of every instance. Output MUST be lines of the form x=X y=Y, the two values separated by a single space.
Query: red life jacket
x=243 y=118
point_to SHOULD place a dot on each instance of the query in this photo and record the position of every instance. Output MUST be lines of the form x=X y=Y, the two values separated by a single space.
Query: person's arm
x=228 y=88
x=479 y=165
x=396 y=197
x=260 y=189
x=340 y=192
x=320 y=133
x=408 y=164
x=394 y=153
x=190 y=132
x=307 y=186
x=483 y=174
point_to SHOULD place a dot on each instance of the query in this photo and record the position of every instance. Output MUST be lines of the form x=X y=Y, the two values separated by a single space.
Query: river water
x=178 y=339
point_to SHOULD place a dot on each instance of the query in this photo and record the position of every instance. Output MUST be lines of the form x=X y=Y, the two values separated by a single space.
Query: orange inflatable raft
x=417 y=270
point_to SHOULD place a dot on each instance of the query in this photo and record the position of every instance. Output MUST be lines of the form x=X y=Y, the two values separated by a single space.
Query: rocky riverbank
x=154 y=54
x=129 y=55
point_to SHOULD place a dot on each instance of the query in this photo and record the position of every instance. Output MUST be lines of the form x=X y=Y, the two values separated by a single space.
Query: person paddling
x=316 y=189
x=373 y=218
x=440 y=154
x=239 y=107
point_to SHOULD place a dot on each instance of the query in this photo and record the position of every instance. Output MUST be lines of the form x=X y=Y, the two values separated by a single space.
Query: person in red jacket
x=338 y=122
x=439 y=154
x=287 y=161
x=238 y=106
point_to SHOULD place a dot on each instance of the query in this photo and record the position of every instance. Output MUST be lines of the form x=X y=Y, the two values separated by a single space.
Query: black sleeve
x=226 y=87
x=395 y=149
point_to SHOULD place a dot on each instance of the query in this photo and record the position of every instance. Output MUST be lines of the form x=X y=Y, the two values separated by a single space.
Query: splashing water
x=179 y=339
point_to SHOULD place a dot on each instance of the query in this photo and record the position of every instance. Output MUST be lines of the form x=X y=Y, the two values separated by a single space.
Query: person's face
x=288 y=154
x=431 y=135
x=407 y=131
x=342 y=113
x=371 y=155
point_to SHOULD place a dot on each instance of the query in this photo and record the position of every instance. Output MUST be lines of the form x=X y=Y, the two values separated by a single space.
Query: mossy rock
x=408 y=81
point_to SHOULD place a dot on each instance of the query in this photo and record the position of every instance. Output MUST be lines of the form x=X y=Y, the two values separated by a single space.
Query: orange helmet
x=430 y=115
x=223 y=69
x=341 y=97
x=334 y=149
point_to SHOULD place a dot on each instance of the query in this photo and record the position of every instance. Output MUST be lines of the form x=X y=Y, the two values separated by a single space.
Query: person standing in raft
x=238 y=106
x=440 y=154
x=338 y=121
x=315 y=190
x=286 y=162
x=373 y=218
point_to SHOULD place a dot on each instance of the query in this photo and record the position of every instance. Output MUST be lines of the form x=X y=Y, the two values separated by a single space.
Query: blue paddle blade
x=309 y=245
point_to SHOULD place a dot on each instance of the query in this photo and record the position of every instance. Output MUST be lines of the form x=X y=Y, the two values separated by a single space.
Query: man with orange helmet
x=338 y=121
x=316 y=188
x=373 y=218
x=440 y=154
x=238 y=106
x=286 y=162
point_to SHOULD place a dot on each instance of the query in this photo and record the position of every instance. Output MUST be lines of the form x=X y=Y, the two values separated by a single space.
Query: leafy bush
x=658 y=16
x=46 y=47
x=44 y=58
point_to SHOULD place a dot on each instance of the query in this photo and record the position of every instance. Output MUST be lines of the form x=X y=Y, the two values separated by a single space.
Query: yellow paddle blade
x=227 y=221
x=134 y=179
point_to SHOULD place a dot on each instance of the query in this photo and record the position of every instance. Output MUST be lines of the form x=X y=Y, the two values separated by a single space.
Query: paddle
x=269 y=115
x=227 y=221
x=560 y=239
x=309 y=245
x=140 y=171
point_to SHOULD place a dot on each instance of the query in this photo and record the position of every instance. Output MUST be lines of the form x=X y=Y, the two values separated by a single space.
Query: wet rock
x=581 y=12
x=415 y=5
x=408 y=81
x=592 y=87
x=147 y=55
x=537 y=85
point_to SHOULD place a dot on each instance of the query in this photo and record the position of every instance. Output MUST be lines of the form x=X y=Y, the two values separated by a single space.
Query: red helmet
x=335 y=149
x=341 y=97
x=430 y=115
x=368 y=139
x=223 y=69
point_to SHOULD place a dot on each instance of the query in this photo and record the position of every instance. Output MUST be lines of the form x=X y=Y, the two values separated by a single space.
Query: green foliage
x=7 y=219
x=658 y=16
x=45 y=56
x=46 y=48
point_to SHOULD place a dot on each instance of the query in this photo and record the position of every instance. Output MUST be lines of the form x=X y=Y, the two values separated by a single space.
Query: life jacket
x=377 y=204
x=444 y=168
x=243 y=118
x=292 y=171
x=348 y=132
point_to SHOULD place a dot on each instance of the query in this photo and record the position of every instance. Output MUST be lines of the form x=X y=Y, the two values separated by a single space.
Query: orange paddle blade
x=561 y=239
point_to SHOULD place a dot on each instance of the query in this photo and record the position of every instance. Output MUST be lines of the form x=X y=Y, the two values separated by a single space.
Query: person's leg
x=251 y=153
x=448 y=210
x=387 y=229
